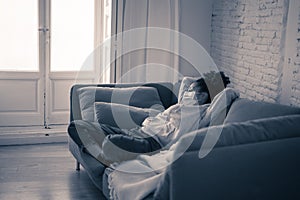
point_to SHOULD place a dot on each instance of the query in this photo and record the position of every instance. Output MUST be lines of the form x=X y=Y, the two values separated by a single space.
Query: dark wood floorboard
x=43 y=172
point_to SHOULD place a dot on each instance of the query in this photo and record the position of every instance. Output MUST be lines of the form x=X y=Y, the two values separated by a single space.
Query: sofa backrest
x=165 y=90
x=244 y=110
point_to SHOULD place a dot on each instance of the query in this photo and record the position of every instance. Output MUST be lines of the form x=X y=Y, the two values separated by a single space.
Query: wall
x=195 y=22
x=248 y=40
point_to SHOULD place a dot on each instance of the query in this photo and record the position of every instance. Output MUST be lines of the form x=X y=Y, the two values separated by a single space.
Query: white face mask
x=189 y=98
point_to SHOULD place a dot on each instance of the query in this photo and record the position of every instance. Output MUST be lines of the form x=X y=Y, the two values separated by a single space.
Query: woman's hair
x=211 y=83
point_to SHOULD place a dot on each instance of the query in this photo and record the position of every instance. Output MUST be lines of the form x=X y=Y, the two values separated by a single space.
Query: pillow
x=218 y=108
x=184 y=86
x=143 y=97
x=122 y=116
x=244 y=110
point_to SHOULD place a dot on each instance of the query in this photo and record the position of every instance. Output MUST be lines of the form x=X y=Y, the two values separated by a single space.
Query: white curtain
x=146 y=44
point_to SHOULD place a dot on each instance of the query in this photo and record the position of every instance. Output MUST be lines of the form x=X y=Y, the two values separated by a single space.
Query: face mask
x=189 y=98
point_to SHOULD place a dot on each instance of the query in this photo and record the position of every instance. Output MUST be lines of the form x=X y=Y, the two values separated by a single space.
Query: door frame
x=54 y=113
x=24 y=103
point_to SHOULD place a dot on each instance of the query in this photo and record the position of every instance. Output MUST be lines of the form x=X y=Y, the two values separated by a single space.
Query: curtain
x=146 y=43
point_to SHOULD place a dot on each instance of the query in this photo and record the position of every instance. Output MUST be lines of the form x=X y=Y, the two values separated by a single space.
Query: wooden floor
x=43 y=172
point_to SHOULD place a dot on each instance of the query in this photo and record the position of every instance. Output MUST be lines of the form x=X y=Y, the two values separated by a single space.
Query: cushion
x=243 y=110
x=143 y=97
x=184 y=86
x=122 y=116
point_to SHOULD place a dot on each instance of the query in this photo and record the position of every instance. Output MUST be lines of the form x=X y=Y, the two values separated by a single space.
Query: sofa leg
x=77 y=166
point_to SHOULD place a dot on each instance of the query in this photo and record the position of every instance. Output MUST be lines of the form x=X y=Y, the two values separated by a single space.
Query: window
x=19 y=35
x=72 y=34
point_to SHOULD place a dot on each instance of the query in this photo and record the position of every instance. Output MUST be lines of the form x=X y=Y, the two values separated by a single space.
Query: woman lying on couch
x=110 y=144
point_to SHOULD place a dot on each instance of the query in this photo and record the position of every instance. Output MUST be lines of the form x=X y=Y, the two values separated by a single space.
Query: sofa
x=257 y=155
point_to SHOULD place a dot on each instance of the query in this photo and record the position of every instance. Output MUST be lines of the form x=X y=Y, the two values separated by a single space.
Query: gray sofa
x=256 y=157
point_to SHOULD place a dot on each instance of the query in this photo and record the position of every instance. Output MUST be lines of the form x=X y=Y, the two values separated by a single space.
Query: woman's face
x=195 y=92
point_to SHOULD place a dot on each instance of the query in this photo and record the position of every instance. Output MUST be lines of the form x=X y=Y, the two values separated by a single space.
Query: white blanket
x=136 y=179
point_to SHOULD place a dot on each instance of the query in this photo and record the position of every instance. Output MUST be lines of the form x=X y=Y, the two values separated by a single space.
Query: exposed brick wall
x=295 y=96
x=247 y=40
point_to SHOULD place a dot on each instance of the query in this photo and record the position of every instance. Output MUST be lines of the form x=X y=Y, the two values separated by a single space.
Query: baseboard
x=32 y=139
x=34 y=135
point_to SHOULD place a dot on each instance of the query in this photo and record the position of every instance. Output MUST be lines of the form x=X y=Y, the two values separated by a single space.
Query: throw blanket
x=136 y=179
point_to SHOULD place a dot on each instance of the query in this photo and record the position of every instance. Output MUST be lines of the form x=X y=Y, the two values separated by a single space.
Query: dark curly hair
x=211 y=83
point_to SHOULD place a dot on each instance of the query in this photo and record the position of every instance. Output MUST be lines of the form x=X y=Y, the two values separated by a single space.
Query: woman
x=110 y=144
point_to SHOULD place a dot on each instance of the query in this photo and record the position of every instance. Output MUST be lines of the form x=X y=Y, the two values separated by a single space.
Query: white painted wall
x=195 y=21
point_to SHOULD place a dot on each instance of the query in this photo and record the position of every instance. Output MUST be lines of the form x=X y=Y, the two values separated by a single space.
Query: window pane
x=72 y=34
x=19 y=35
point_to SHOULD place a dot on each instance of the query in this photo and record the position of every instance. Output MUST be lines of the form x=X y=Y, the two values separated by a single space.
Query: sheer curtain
x=146 y=43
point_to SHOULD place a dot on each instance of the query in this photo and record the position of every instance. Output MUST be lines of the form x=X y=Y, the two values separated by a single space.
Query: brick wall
x=247 y=41
x=295 y=96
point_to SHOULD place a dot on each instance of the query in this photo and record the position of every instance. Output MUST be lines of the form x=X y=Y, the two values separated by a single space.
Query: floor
x=43 y=172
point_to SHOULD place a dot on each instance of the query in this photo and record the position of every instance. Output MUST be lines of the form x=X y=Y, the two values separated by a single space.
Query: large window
x=19 y=35
x=43 y=45
x=72 y=34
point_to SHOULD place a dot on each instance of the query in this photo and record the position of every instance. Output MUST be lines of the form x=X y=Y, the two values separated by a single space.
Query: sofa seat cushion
x=143 y=97
x=244 y=110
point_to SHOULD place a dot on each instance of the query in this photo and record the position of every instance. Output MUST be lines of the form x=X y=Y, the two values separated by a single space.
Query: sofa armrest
x=263 y=170
x=253 y=157
x=260 y=130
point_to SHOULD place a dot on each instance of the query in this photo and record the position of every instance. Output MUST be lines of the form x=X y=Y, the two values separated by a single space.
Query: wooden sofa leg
x=77 y=166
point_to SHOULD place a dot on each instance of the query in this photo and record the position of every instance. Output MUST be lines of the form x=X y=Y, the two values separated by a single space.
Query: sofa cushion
x=143 y=97
x=122 y=116
x=243 y=110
